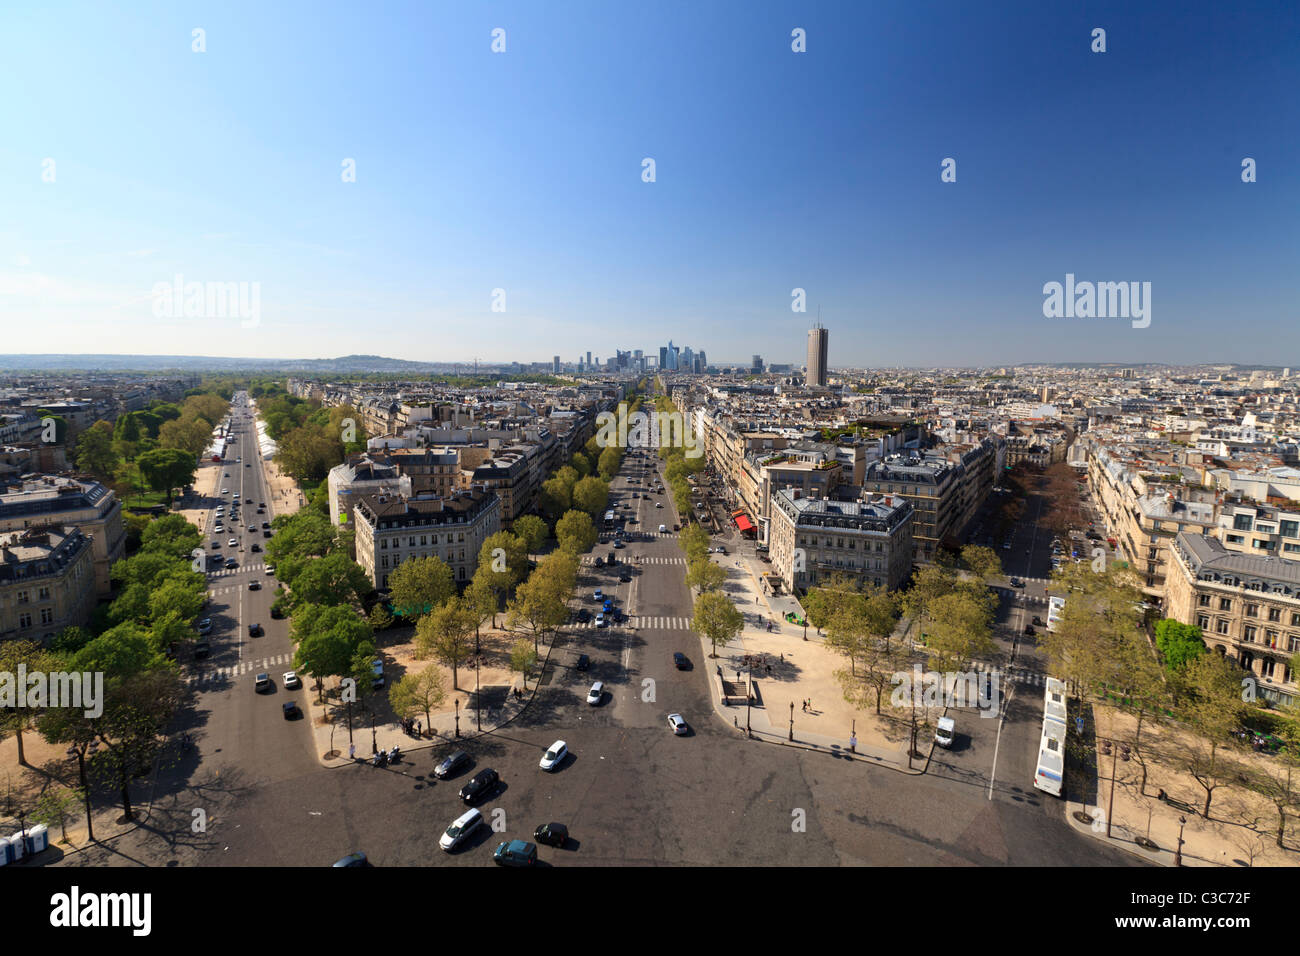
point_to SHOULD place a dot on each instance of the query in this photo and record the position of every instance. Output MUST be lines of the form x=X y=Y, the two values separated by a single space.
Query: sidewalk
x=786 y=670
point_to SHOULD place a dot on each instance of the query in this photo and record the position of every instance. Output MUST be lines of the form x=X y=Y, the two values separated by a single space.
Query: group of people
x=411 y=727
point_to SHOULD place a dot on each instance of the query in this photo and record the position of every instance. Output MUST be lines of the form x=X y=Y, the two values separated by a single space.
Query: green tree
x=717 y=619
x=421 y=692
x=704 y=575
x=95 y=451
x=983 y=562
x=591 y=495
x=15 y=719
x=1178 y=643
x=576 y=532
x=167 y=468
x=532 y=531
x=523 y=658
x=419 y=585
x=333 y=579
x=444 y=634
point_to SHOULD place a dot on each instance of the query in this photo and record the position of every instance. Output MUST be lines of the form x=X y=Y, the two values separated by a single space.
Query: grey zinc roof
x=1210 y=555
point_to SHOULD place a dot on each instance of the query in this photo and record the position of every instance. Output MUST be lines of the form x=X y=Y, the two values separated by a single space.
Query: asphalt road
x=631 y=792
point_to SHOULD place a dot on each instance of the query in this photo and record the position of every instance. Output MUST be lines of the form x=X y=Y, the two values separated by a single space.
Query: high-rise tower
x=817 y=344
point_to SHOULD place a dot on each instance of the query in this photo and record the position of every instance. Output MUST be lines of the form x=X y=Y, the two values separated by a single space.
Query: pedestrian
x=352 y=751
x=783 y=657
x=419 y=728
x=805 y=706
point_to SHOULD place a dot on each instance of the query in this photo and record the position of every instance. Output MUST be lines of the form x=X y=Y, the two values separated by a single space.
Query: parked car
x=583 y=662
x=596 y=694
x=515 y=853
x=451 y=764
x=460 y=830
x=554 y=755
x=552 y=834
x=678 y=724
x=480 y=785
x=205 y=626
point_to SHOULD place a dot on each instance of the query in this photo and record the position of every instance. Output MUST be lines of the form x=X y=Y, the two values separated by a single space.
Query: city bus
x=1049 y=776
x=609 y=520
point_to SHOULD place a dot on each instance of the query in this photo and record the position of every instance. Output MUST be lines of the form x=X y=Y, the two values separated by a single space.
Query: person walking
x=352 y=751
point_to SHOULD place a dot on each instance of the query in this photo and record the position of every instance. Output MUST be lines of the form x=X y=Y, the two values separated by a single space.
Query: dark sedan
x=451 y=764
x=552 y=834
x=480 y=785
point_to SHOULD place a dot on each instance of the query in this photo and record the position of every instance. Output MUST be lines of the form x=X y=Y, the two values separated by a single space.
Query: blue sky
x=775 y=170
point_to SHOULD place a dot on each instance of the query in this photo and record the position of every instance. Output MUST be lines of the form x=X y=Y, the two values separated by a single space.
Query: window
x=1248 y=633
x=24 y=597
x=1252 y=610
x=25 y=619
x=1221 y=626
x=44 y=594
x=1203 y=600
x=1242 y=522
x=1225 y=604
x=1262 y=543
x=1270 y=637
x=47 y=615
x=1265 y=528
x=1274 y=614
x=1290 y=529
x=1295 y=620
x=1202 y=621
x=1235 y=539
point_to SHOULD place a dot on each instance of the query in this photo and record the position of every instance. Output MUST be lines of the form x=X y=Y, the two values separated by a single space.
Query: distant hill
x=347 y=364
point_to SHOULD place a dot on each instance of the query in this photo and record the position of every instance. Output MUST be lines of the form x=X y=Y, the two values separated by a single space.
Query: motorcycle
x=395 y=754
x=380 y=759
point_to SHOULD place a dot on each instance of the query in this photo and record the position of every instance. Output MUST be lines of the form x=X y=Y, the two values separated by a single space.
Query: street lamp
x=792 y=720
x=749 y=697
x=1178 y=854
x=458 y=717
x=478 y=711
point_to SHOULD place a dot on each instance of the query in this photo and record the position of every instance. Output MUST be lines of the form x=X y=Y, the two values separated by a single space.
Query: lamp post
x=792 y=720
x=458 y=718
x=1178 y=854
x=1110 y=806
x=478 y=706
x=749 y=697
x=374 y=741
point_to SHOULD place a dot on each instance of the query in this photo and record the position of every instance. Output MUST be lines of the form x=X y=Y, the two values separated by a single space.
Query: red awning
x=743 y=523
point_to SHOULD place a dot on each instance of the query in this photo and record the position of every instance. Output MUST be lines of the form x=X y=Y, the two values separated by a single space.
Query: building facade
x=391 y=529
x=47 y=581
x=856 y=533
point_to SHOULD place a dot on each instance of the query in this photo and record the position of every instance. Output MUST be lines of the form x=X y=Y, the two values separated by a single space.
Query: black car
x=618 y=616
x=1029 y=629
x=451 y=764
x=1038 y=621
x=583 y=662
x=255 y=547
x=202 y=649
x=1017 y=583
x=552 y=834
x=625 y=577
x=480 y=785
x=584 y=616
x=276 y=612
x=291 y=711
x=681 y=662
x=255 y=630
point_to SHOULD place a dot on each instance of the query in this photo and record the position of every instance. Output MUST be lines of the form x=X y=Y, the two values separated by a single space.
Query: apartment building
x=1247 y=607
x=36 y=501
x=360 y=475
x=391 y=529
x=855 y=532
x=47 y=581
x=946 y=486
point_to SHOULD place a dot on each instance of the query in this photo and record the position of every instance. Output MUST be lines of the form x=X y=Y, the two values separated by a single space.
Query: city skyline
x=466 y=200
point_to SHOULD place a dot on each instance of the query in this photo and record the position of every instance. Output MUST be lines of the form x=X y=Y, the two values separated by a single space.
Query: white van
x=945 y=732
x=460 y=828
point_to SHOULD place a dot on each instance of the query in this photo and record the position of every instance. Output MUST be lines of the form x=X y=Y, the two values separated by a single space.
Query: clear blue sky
x=775 y=170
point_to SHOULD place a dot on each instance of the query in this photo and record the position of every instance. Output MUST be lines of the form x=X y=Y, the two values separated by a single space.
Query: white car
x=596 y=694
x=678 y=724
x=233 y=543
x=663 y=528
x=225 y=491
x=291 y=681
x=270 y=569
x=553 y=756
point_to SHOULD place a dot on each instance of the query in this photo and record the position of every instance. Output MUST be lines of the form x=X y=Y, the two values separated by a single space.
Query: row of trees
x=156 y=448
x=131 y=643
x=1202 y=699
x=312 y=439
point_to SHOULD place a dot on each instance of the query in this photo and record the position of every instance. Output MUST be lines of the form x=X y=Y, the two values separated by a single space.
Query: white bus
x=609 y=520
x=1049 y=776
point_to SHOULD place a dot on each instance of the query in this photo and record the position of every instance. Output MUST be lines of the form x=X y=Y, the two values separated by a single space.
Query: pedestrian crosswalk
x=227 y=572
x=205 y=675
x=597 y=559
x=644 y=623
x=1020 y=675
